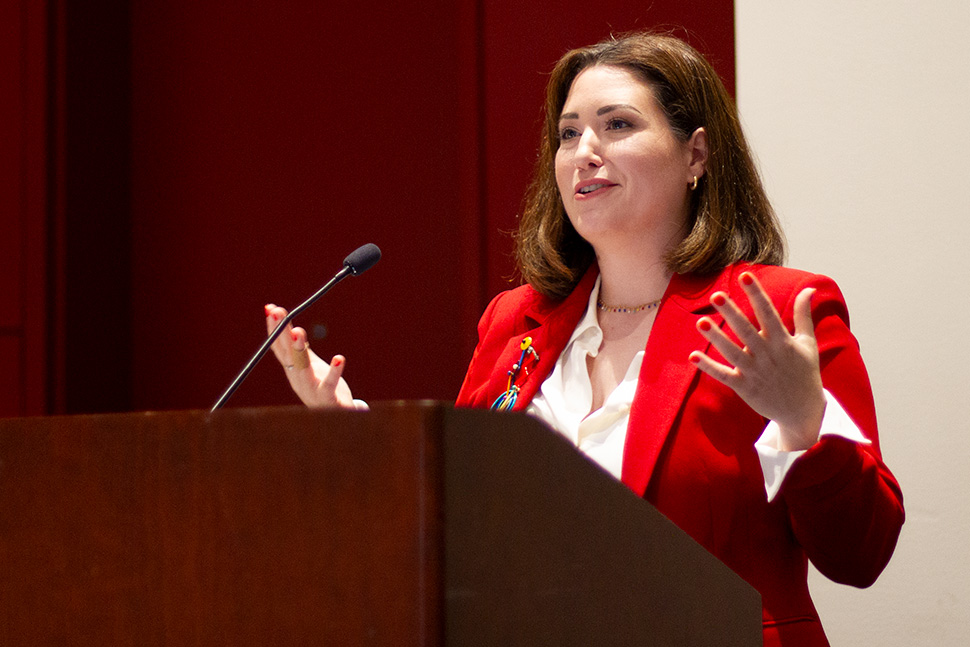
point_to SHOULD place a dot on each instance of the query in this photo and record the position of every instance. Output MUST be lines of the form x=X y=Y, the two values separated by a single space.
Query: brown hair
x=730 y=218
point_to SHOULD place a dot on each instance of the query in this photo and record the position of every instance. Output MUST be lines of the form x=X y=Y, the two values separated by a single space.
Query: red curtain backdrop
x=24 y=235
x=217 y=156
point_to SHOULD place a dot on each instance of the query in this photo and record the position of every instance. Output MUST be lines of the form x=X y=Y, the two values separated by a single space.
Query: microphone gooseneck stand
x=356 y=263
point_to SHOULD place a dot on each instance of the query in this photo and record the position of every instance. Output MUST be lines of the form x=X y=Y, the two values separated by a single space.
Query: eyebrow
x=602 y=111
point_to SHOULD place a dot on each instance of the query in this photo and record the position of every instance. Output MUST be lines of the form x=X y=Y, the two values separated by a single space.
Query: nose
x=588 y=150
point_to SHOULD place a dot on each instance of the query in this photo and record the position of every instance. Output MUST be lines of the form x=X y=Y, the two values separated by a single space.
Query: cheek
x=657 y=168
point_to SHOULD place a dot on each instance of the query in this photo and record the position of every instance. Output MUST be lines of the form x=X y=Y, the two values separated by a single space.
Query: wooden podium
x=413 y=524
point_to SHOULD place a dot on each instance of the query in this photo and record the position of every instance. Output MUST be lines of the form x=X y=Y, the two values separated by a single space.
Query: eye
x=567 y=133
x=617 y=124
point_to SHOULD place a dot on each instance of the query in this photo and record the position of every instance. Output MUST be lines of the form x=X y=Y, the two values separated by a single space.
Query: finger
x=736 y=320
x=337 y=365
x=764 y=309
x=731 y=351
x=723 y=374
x=274 y=315
x=300 y=350
x=804 y=325
x=268 y=308
x=282 y=345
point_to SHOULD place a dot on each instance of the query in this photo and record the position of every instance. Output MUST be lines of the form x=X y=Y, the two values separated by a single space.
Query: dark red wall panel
x=23 y=203
x=95 y=215
x=11 y=169
x=11 y=206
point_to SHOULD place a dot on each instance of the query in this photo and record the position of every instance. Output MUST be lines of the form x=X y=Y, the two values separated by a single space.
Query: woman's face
x=621 y=171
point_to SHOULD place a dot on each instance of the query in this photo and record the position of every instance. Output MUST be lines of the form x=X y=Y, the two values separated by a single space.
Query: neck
x=633 y=275
x=630 y=284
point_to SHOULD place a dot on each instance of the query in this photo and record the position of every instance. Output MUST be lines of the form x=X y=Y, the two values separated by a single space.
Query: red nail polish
x=718 y=300
x=704 y=325
x=294 y=336
x=747 y=279
x=267 y=309
x=694 y=359
x=337 y=362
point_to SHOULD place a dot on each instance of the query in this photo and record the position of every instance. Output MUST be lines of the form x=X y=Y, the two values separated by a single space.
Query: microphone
x=362 y=259
x=357 y=262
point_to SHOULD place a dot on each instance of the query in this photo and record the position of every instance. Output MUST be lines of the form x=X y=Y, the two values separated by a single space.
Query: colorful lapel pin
x=506 y=401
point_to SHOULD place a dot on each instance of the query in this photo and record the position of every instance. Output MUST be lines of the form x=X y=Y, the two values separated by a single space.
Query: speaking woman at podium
x=657 y=330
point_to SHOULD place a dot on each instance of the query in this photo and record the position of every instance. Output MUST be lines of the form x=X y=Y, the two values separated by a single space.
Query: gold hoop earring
x=693 y=187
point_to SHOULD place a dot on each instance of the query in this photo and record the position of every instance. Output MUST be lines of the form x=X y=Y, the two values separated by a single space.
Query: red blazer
x=690 y=442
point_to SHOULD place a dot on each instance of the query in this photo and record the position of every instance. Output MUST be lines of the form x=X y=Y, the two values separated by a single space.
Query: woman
x=657 y=331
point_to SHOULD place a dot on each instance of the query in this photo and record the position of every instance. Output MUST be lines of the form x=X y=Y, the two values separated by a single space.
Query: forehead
x=608 y=84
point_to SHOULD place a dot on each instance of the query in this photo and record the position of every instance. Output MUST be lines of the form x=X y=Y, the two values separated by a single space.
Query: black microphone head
x=362 y=259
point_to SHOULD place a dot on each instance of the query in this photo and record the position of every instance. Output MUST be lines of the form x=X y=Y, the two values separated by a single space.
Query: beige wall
x=858 y=114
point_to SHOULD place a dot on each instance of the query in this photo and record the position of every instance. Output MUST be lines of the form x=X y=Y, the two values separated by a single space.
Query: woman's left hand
x=776 y=373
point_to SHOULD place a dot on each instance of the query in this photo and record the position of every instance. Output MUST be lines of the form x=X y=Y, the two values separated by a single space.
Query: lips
x=589 y=187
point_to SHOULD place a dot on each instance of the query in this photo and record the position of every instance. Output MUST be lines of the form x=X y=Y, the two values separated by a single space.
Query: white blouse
x=565 y=398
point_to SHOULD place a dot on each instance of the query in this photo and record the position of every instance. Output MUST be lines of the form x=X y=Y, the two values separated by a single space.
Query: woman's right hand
x=315 y=382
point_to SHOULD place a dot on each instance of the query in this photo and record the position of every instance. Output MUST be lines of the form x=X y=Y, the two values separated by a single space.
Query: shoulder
x=515 y=300
x=509 y=307
x=525 y=305
x=783 y=284
x=781 y=280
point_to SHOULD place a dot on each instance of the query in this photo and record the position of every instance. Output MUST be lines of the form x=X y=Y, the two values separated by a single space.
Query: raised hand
x=775 y=372
x=315 y=382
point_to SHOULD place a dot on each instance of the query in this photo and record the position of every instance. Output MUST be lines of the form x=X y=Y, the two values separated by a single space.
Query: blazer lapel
x=550 y=324
x=666 y=374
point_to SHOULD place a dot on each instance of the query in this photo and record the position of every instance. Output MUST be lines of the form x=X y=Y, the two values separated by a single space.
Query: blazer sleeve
x=845 y=506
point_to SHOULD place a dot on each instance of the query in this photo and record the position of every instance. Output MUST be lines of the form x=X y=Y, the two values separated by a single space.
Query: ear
x=696 y=155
